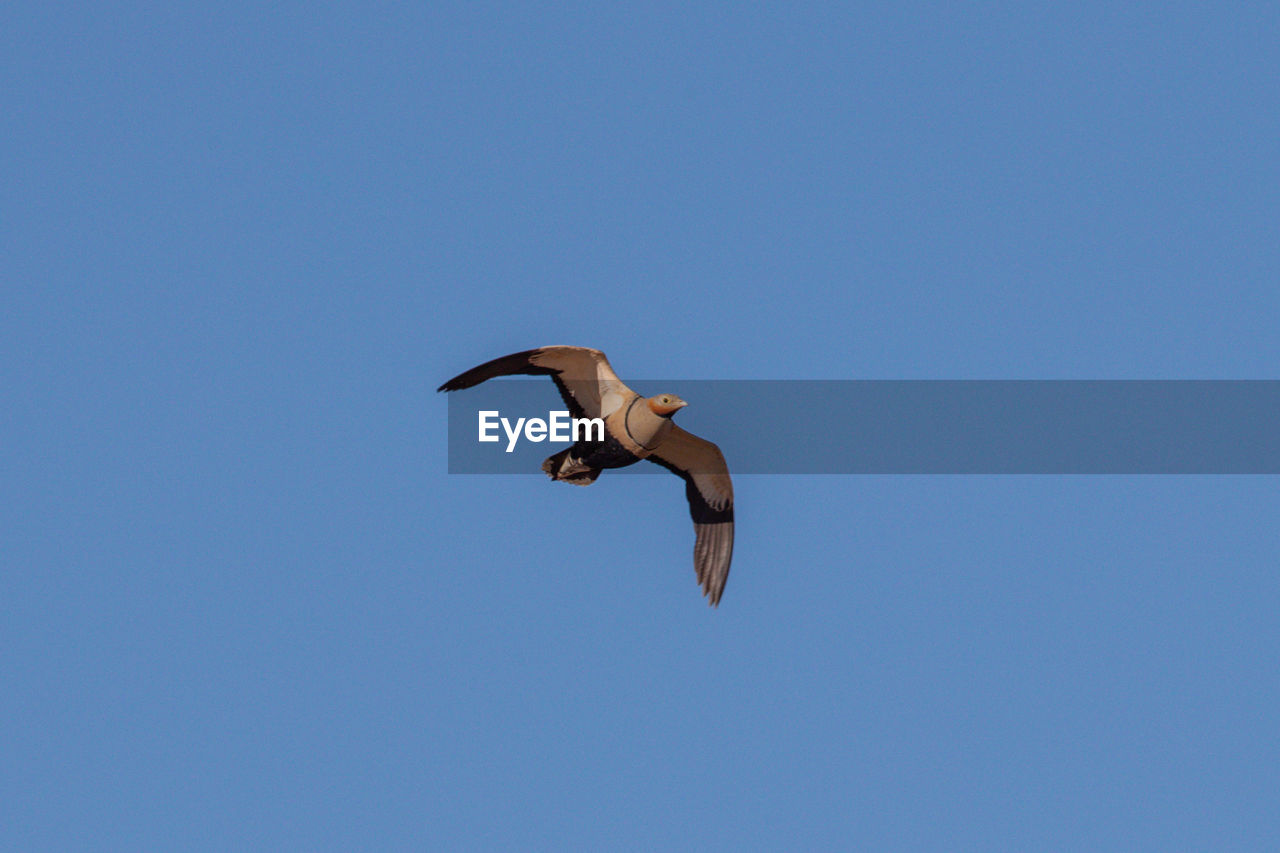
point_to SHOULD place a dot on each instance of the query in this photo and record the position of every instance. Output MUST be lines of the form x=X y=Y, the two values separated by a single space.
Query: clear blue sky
x=242 y=606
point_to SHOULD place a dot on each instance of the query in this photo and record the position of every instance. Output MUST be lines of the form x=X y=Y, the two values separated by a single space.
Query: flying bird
x=635 y=428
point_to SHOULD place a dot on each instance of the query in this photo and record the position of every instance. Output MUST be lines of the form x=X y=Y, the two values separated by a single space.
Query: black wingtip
x=507 y=365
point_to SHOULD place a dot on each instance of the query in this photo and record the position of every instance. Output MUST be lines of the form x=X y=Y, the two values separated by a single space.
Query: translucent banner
x=912 y=426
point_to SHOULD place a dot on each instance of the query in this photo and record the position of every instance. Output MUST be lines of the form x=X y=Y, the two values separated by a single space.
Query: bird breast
x=640 y=430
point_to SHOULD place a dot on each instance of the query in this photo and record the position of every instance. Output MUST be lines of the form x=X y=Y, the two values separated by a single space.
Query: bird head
x=665 y=405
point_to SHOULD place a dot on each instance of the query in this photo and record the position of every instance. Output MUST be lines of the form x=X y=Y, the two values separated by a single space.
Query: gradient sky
x=242 y=605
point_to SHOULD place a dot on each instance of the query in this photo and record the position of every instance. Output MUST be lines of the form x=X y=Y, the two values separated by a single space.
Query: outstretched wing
x=710 y=492
x=583 y=376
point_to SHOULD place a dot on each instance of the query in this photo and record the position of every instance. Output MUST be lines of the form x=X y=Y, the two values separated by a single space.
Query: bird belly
x=609 y=454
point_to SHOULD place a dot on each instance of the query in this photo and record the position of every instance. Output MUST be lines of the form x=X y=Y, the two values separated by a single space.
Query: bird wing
x=583 y=376
x=710 y=492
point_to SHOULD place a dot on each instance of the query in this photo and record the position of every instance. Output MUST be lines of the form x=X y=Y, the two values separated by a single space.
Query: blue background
x=243 y=606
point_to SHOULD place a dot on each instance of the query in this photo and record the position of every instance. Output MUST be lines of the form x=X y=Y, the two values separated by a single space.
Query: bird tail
x=562 y=466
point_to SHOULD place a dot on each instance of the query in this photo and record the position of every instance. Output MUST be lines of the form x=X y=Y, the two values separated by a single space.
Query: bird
x=636 y=428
